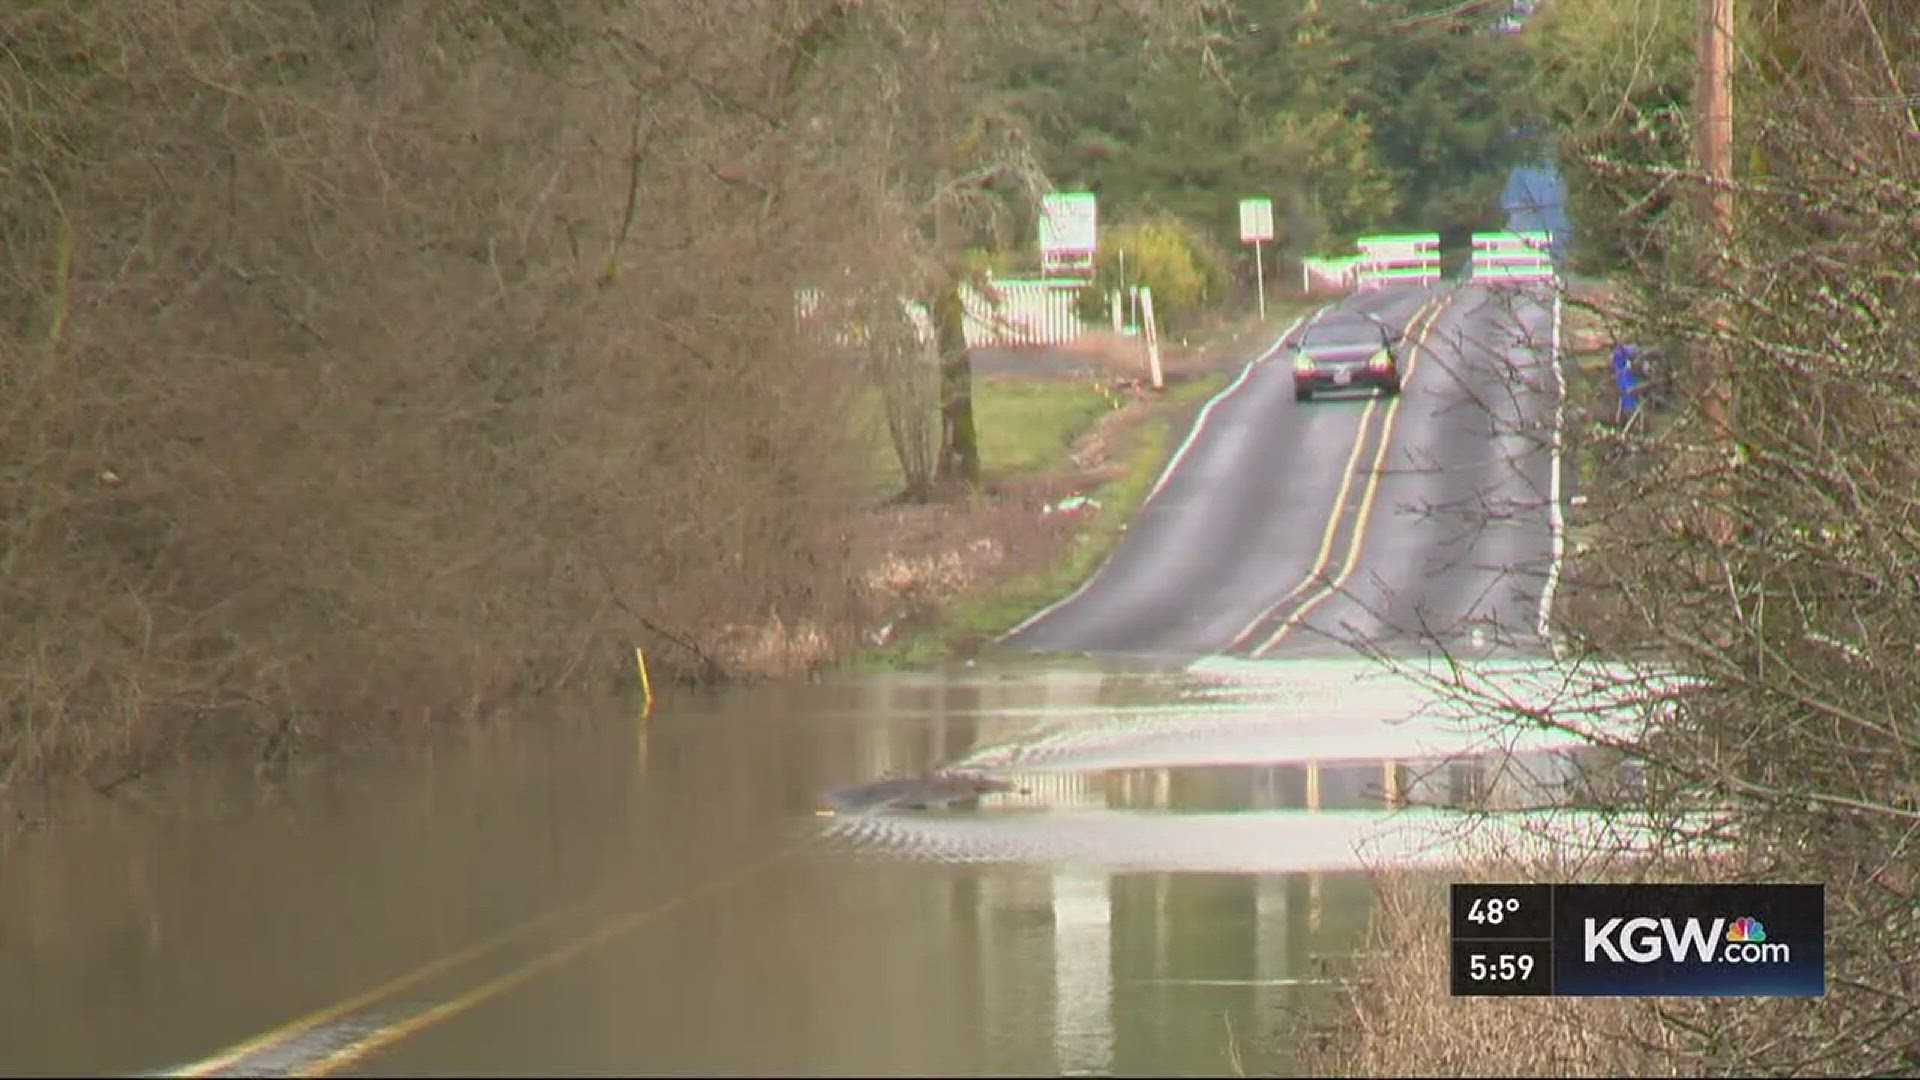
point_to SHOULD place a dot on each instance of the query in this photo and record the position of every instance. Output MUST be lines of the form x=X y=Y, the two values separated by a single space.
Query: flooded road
x=1164 y=862
x=581 y=892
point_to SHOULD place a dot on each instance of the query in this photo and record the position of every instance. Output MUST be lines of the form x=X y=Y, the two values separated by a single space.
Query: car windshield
x=1343 y=337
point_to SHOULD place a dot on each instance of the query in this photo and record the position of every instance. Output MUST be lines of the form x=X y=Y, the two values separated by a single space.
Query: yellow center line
x=1366 y=502
x=319 y=1018
x=1334 y=515
x=1326 y=537
x=381 y=1038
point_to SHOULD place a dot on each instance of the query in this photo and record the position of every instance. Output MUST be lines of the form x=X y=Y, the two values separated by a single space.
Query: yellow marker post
x=646 y=684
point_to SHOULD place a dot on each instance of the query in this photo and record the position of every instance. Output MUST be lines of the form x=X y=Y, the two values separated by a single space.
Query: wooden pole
x=1150 y=327
x=1260 y=278
x=1713 y=146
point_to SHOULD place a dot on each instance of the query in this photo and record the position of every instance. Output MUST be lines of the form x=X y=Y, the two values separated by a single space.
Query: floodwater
x=583 y=892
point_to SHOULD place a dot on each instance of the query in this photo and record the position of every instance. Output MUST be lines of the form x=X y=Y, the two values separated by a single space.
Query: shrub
x=1186 y=272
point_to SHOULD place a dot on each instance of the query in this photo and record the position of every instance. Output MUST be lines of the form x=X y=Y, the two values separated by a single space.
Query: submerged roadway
x=721 y=938
x=1405 y=525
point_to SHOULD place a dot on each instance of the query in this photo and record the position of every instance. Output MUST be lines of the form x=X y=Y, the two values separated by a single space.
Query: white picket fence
x=1006 y=313
x=1038 y=312
x=806 y=307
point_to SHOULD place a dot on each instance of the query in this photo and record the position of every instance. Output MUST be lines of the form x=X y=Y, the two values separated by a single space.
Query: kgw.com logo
x=1717 y=941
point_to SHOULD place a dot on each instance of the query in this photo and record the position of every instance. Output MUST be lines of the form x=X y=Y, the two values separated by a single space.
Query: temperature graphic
x=1492 y=911
x=1642 y=939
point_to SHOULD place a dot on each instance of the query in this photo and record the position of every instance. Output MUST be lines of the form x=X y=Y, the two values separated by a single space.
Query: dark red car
x=1345 y=352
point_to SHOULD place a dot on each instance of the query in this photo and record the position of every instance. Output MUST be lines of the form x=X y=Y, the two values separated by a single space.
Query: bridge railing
x=1513 y=257
x=1407 y=259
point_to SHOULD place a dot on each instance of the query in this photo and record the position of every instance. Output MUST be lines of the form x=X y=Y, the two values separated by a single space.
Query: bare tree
x=367 y=361
x=923 y=87
x=1770 y=667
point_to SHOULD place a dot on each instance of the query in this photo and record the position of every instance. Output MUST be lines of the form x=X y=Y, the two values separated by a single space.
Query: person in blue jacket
x=1626 y=380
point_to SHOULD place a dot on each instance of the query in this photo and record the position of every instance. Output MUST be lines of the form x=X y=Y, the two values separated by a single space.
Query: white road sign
x=1256 y=220
x=1068 y=224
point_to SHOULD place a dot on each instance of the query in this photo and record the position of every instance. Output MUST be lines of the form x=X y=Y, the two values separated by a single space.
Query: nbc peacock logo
x=1746 y=930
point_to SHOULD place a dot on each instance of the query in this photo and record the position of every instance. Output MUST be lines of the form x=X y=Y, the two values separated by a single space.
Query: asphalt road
x=1284 y=528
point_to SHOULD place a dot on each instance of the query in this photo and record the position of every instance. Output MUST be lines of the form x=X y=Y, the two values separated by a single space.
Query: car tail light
x=1302 y=362
x=1381 y=361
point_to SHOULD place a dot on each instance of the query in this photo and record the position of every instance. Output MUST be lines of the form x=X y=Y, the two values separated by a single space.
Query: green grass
x=985 y=614
x=1026 y=426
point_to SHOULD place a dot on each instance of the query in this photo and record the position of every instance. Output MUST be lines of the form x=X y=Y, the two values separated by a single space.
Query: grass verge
x=1138 y=449
x=1608 y=465
x=1027 y=426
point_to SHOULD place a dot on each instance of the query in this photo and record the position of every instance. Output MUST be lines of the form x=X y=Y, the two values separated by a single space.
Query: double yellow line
x=332 y=1059
x=293 y=1029
x=1430 y=312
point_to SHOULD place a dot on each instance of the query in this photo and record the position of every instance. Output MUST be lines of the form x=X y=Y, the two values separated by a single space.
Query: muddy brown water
x=580 y=892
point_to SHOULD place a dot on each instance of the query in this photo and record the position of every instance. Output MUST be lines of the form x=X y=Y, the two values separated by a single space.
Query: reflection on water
x=1142 y=912
x=1309 y=786
x=1505 y=782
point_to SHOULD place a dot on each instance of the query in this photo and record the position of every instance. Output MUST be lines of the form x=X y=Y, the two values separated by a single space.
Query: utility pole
x=1713 y=146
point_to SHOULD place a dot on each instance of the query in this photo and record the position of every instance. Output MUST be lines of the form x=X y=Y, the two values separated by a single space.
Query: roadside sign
x=1256 y=228
x=1256 y=221
x=1068 y=228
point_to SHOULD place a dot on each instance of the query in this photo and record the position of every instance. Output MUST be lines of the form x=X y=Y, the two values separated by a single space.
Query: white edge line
x=1173 y=463
x=1206 y=410
x=1555 y=515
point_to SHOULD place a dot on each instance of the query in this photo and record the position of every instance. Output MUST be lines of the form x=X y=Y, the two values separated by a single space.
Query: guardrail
x=1513 y=257
x=1413 y=258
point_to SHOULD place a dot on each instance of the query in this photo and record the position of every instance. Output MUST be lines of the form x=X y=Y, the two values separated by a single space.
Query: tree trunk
x=959 y=443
